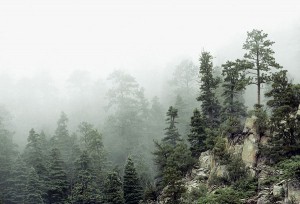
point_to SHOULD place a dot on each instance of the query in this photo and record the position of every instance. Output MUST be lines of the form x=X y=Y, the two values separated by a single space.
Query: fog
x=57 y=55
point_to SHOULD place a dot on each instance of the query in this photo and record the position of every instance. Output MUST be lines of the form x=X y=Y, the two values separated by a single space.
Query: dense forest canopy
x=136 y=126
x=142 y=154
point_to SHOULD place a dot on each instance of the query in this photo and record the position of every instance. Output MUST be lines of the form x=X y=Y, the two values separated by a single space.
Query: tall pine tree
x=197 y=135
x=113 y=193
x=235 y=82
x=58 y=183
x=260 y=55
x=172 y=135
x=133 y=192
x=210 y=105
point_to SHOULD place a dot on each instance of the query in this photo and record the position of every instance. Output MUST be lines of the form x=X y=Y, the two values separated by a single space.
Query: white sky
x=59 y=36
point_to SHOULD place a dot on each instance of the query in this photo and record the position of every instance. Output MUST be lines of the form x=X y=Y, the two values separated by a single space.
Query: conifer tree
x=197 y=135
x=113 y=193
x=34 y=194
x=85 y=189
x=17 y=182
x=133 y=191
x=235 y=82
x=285 y=128
x=7 y=156
x=92 y=143
x=58 y=183
x=172 y=181
x=210 y=105
x=34 y=156
x=260 y=55
x=171 y=135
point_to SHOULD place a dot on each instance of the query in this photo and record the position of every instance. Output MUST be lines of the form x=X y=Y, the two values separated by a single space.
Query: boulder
x=278 y=190
x=294 y=190
x=250 y=151
x=206 y=160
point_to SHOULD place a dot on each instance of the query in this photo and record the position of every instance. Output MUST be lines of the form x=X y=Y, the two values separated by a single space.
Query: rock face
x=206 y=160
x=250 y=146
x=293 y=191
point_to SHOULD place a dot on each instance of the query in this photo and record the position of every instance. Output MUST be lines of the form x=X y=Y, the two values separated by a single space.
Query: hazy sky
x=59 y=36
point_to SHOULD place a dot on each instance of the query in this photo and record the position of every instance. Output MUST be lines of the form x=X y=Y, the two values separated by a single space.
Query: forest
x=145 y=150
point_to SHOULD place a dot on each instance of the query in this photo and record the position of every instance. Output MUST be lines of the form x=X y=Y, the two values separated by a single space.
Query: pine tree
x=197 y=135
x=7 y=156
x=235 y=82
x=85 y=189
x=210 y=105
x=34 y=156
x=62 y=139
x=172 y=180
x=183 y=111
x=260 y=55
x=58 y=184
x=171 y=135
x=113 y=193
x=34 y=194
x=17 y=182
x=133 y=191
x=92 y=143
x=284 y=99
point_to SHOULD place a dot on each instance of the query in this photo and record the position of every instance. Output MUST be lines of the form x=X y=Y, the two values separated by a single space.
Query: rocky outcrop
x=251 y=141
x=293 y=191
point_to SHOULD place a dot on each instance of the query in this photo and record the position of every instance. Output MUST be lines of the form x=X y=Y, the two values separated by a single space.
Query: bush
x=236 y=169
x=222 y=196
x=291 y=167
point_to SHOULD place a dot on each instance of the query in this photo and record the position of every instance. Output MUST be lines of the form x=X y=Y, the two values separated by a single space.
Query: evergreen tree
x=210 y=105
x=285 y=128
x=235 y=82
x=85 y=189
x=133 y=191
x=172 y=180
x=34 y=194
x=34 y=156
x=62 y=139
x=197 y=135
x=113 y=189
x=260 y=55
x=183 y=111
x=92 y=143
x=7 y=155
x=17 y=182
x=171 y=135
x=58 y=183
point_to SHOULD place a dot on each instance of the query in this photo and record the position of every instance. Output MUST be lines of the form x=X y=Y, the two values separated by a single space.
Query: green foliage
x=85 y=189
x=222 y=196
x=92 y=143
x=236 y=169
x=285 y=129
x=197 y=135
x=133 y=191
x=150 y=193
x=34 y=194
x=113 y=193
x=260 y=55
x=210 y=105
x=172 y=135
x=220 y=151
x=17 y=182
x=195 y=193
x=247 y=186
x=7 y=155
x=235 y=82
x=262 y=119
x=58 y=183
x=291 y=167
